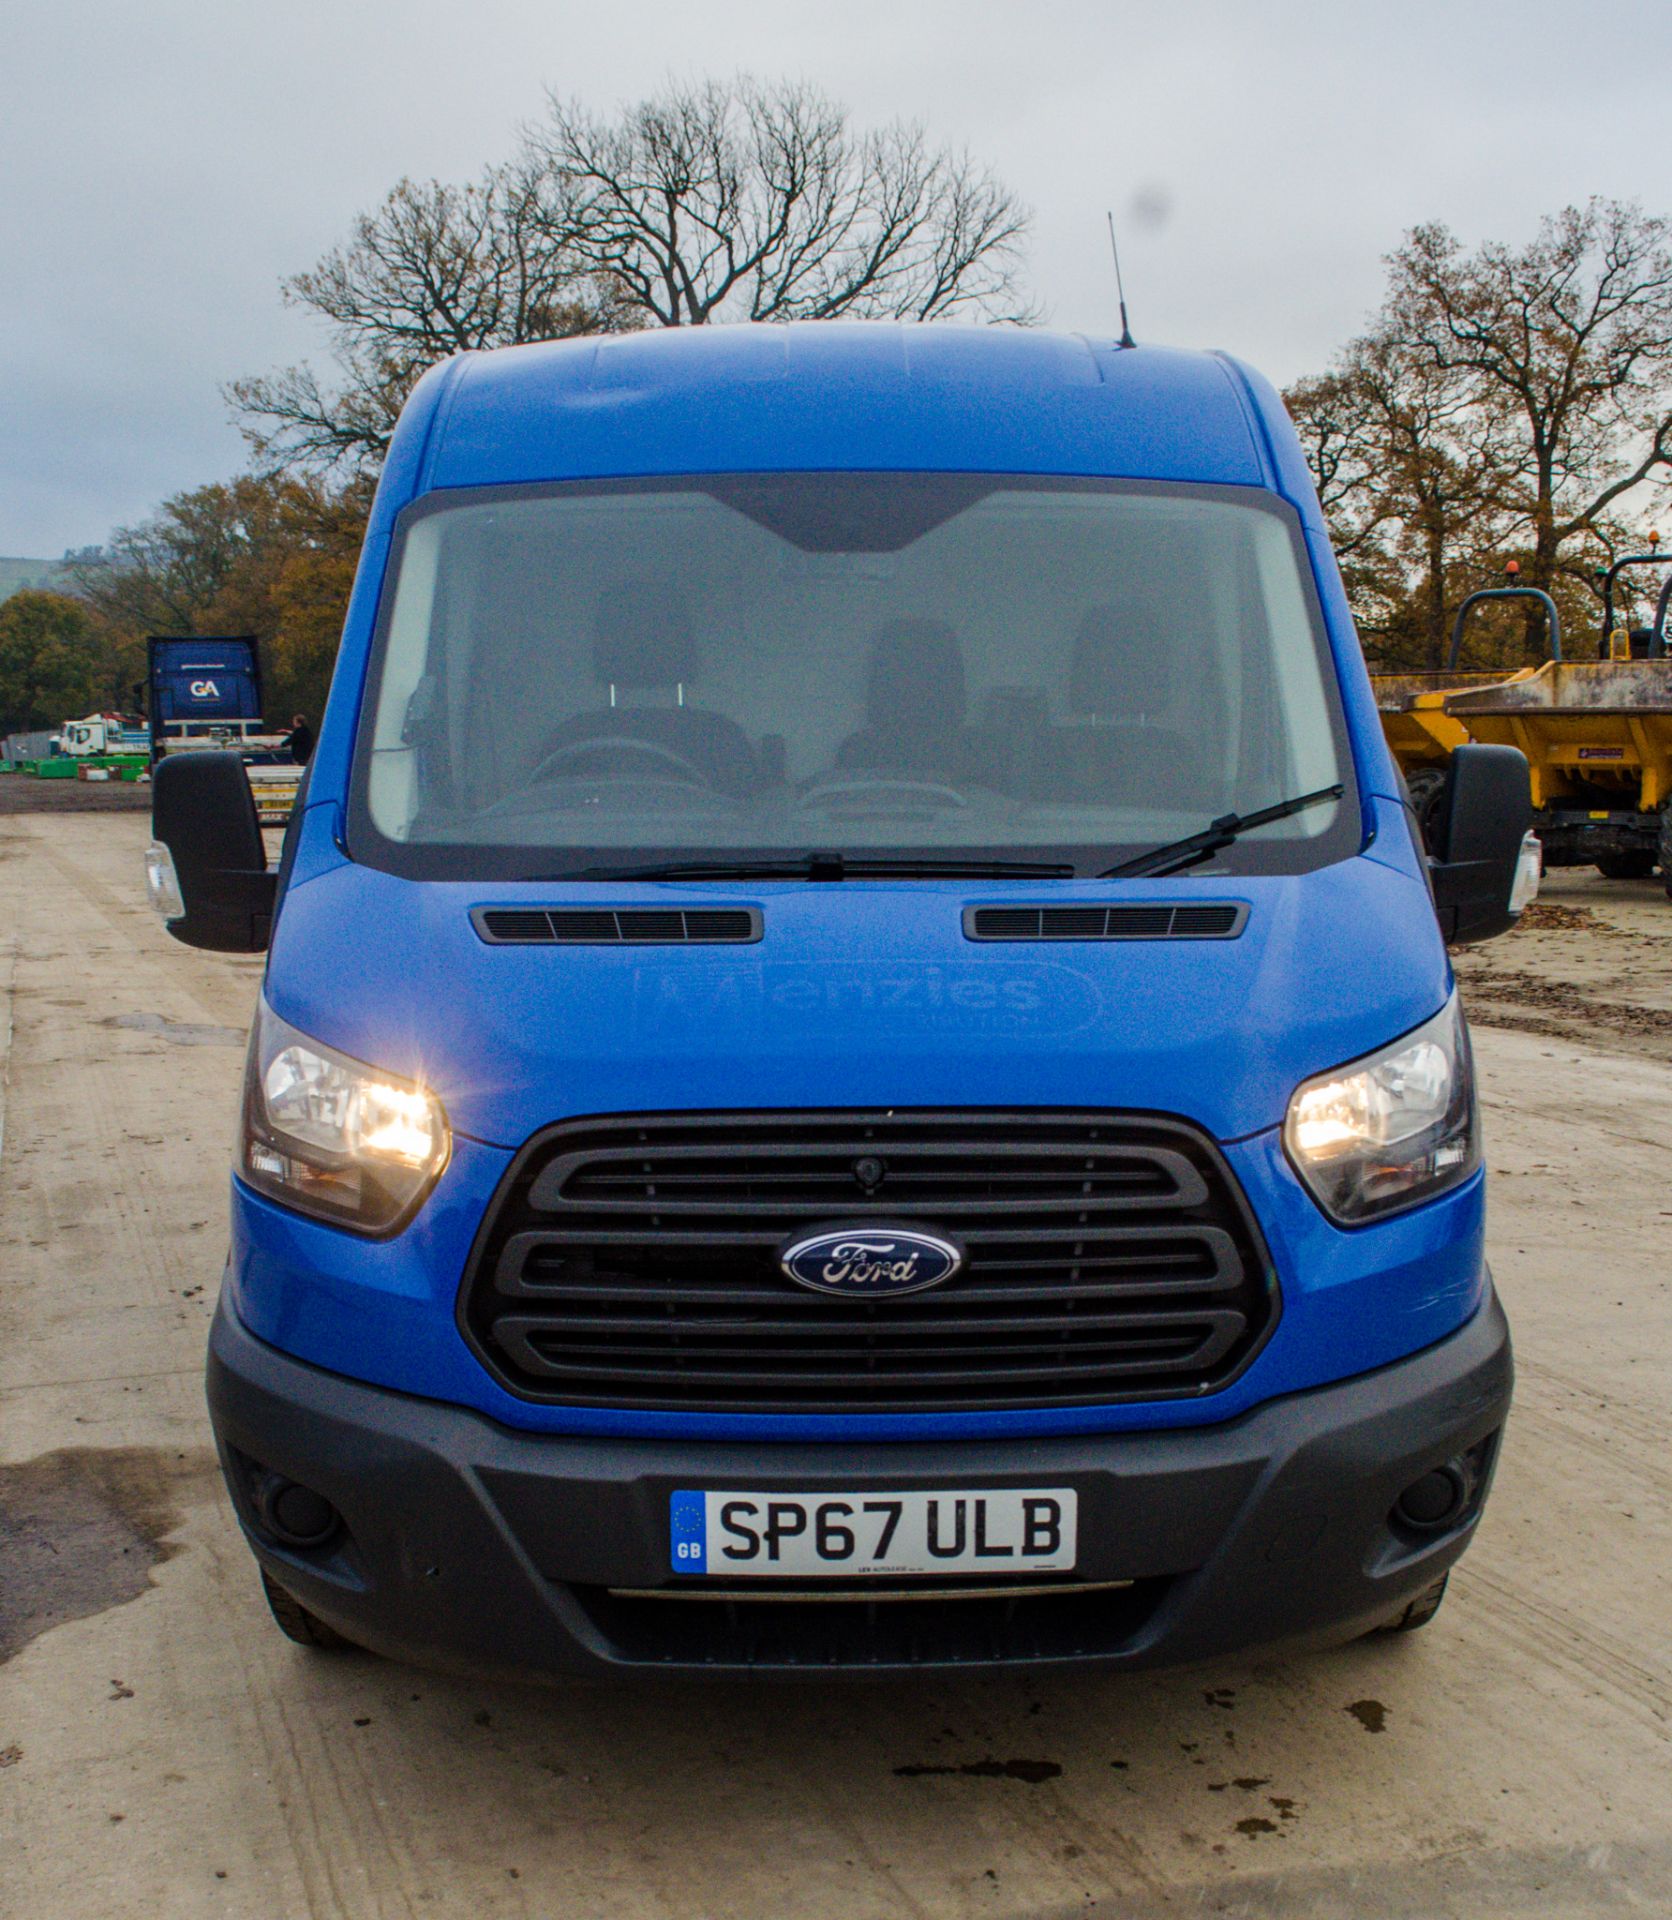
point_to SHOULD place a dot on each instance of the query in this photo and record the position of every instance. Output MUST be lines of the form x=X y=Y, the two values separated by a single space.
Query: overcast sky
x=163 y=166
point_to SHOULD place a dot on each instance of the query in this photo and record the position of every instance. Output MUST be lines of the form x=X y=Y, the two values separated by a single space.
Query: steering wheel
x=856 y=786
x=571 y=750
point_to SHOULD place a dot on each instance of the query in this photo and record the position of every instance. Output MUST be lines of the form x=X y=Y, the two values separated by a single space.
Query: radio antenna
x=1126 y=339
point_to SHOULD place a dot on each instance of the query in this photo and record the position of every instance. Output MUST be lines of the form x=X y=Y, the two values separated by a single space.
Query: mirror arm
x=237 y=888
x=1457 y=885
x=234 y=912
x=237 y=891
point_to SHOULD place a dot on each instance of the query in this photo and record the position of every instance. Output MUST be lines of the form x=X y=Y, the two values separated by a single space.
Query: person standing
x=300 y=739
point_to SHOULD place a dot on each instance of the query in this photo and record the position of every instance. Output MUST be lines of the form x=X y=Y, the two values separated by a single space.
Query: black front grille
x=1058 y=1622
x=634 y=1262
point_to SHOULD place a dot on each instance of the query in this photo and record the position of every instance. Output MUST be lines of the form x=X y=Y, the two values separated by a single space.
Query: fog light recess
x=296 y=1516
x=1434 y=1501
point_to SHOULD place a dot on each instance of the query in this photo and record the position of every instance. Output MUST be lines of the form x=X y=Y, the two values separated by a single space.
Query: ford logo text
x=870 y=1263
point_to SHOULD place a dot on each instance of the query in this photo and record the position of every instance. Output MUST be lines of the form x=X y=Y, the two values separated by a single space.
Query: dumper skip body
x=857 y=1067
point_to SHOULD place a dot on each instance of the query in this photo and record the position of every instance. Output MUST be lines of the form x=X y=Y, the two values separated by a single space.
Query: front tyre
x=297 y=1623
x=1627 y=866
x=1666 y=846
x=1420 y=1611
x=1427 y=788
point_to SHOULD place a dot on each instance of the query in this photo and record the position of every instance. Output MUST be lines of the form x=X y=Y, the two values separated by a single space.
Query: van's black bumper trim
x=471 y=1546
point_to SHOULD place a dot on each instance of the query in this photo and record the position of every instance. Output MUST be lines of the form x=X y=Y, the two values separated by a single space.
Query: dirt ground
x=23 y=793
x=164 y=1752
x=1591 y=959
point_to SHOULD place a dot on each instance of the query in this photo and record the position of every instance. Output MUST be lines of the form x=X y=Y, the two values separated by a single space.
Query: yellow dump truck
x=1598 y=739
x=1597 y=735
x=1416 y=710
x=1421 y=732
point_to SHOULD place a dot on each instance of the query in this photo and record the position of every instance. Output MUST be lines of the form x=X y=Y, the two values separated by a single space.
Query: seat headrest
x=1125 y=658
x=917 y=676
x=642 y=636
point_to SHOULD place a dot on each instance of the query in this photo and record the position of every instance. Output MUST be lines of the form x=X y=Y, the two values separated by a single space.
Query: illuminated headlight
x=332 y=1137
x=1393 y=1129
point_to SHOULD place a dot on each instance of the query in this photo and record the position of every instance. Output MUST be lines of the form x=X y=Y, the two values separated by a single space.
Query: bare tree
x=718 y=202
x=1568 y=343
x=1339 y=427
x=436 y=270
x=271 y=555
x=1424 y=504
x=166 y=573
x=1504 y=403
x=1407 y=491
x=743 y=201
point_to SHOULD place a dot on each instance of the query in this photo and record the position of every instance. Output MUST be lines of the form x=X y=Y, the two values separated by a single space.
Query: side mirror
x=1486 y=869
x=206 y=869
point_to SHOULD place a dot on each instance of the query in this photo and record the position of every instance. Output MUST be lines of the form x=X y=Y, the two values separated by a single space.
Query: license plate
x=769 y=1535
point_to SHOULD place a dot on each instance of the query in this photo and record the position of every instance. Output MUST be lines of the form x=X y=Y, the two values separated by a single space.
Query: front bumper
x=469 y=1546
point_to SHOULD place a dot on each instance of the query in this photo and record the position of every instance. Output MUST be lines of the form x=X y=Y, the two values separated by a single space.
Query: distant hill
x=16 y=574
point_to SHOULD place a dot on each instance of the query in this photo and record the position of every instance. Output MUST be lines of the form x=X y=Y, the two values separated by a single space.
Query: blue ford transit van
x=857 y=1066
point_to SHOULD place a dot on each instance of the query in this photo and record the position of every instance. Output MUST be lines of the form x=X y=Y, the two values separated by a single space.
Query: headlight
x=1393 y=1129
x=331 y=1137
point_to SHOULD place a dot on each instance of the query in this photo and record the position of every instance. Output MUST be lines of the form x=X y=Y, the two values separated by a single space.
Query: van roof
x=836 y=395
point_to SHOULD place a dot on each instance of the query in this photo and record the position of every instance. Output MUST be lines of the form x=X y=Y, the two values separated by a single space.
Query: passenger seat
x=1118 y=748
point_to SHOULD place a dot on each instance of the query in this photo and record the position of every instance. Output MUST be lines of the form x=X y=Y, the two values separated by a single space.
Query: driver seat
x=644 y=645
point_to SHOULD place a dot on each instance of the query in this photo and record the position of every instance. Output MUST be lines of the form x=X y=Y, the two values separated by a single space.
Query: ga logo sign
x=205 y=690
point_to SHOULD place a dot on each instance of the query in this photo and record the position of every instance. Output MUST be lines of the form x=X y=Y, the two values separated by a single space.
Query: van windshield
x=754 y=666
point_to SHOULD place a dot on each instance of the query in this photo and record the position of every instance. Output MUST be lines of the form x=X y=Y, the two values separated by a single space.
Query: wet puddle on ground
x=182 y=1033
x=81 y=1530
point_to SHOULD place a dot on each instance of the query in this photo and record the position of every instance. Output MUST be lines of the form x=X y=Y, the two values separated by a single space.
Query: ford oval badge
x=870 y=1262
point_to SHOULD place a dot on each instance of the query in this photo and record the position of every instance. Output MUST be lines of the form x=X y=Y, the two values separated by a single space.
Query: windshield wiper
x=831 y=866
x=1176 y=855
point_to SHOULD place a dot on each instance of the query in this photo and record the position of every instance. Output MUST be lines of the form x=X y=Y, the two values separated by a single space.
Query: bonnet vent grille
x=615 y=926
x=1204 y=921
